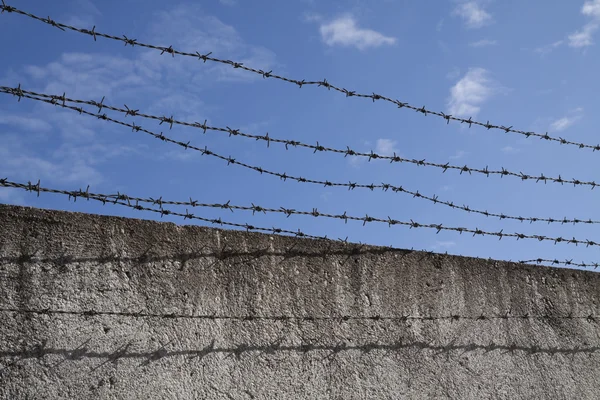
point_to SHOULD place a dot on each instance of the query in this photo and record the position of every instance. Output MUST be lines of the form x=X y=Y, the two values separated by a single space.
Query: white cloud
x=473 y=14
x=583 y=37
x=228 y=2
x=470 y=92
x=567 y=121
x=563 y=123
x=344 y=31
x=386 y=147
x=591 y=9
x=483 y=43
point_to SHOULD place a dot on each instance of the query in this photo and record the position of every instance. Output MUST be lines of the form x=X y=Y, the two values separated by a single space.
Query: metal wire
x=385 y=186
x=126 y=200
x=300 y=83
x=568 y=263
x=234 y=132
x=366 y=219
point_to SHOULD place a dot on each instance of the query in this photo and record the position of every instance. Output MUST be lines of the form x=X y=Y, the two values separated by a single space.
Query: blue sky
x=524 y=64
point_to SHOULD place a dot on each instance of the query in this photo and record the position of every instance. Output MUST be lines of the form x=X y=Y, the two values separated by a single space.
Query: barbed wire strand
x=284 y=176
x=119 y=199
x=416 y=194
x=124 y=199
x=300 y=83
x=560 y=262
x=340 y=318
x=114 y=199
x=385 y=186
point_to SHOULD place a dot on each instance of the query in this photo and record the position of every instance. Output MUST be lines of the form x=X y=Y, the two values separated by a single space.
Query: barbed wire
x=126 y=200
x=568 y=263
x=114 y=199
x=284 y=176
x=300 y=83
x=256 y=317
x=118 y=199
x=170 y=121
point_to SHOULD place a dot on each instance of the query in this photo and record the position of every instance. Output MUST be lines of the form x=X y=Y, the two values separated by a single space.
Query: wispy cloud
x=583 y=37
x=228 y=2
x=567 y=121
x=483 y=43
x=386 y=147
x=473 y=14
x=564 y=123
x=344 y=31
x=470 y=92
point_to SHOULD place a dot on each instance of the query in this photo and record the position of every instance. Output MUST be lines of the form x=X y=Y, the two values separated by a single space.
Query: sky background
x=532 y=65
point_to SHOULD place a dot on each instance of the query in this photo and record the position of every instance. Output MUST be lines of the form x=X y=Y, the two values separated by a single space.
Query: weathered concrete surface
x=80 y=263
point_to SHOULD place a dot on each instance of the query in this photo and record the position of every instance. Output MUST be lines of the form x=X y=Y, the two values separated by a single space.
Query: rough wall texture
x=103 y=307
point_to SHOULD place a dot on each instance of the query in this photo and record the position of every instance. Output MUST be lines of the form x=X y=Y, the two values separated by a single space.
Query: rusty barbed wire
x=127 y=200
x=340 y=318
x=398 y=189
x=300 y=83
x=18 y=92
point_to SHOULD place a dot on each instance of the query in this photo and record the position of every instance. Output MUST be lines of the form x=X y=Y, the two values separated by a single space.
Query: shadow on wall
x=332 y=249
x=331 y=350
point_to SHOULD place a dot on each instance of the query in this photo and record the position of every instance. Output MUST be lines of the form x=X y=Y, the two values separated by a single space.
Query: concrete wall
x=103 y=307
